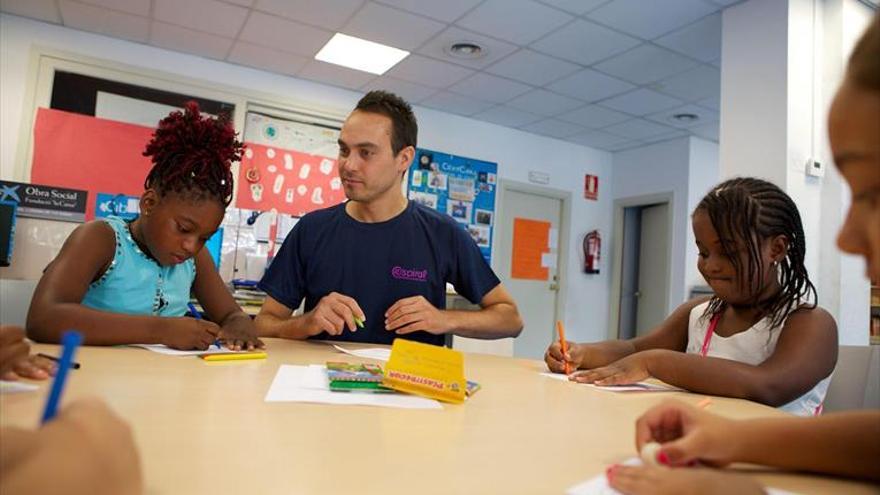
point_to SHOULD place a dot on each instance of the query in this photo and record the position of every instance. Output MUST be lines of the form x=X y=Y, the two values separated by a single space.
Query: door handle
x=554 y=286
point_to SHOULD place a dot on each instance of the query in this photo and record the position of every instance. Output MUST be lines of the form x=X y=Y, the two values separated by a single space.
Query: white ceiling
x=603 y=73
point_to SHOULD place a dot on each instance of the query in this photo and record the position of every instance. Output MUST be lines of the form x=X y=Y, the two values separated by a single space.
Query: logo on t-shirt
x=412 y=274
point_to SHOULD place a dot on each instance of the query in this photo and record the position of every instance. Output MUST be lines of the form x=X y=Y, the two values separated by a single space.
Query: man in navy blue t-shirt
x=379 y=259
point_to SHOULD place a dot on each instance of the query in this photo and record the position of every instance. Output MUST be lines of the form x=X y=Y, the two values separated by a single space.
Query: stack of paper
x=310 y=384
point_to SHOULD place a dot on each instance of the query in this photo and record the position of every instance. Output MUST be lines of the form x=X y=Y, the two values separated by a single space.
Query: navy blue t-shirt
x=377 y=264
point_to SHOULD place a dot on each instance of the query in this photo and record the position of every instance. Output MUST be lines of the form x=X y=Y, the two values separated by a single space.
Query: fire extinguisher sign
x=591 y=187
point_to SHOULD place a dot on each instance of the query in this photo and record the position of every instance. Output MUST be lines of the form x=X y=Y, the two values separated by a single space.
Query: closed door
x=536 y=299
x=653 y=267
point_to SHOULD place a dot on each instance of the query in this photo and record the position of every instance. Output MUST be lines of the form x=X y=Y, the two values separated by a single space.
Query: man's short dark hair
x=404 y=129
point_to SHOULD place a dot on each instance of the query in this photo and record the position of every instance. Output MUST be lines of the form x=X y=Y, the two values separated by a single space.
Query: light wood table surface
x=205 y=428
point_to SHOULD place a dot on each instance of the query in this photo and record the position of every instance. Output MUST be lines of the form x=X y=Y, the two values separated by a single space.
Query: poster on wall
x=117 y=205
x=531 y=258
x=463 y=188
x=288 y=166
x=49 y=202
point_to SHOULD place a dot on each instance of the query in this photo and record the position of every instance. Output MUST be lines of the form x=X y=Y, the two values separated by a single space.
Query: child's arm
x=87 y=449
x=56 y=303
x=839 y=443
x=805 y=353
x=671 y=334
x=236 y=328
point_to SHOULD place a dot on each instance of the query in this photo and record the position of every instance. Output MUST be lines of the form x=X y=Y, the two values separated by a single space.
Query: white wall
x=703 y=175
x=515 y=152
x=782 y=61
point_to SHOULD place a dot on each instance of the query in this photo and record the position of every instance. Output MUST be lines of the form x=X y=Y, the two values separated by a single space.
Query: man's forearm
x=492 y=322
x=294 y=327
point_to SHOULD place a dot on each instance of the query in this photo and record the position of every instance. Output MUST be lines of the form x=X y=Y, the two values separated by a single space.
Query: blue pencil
x=70 y=340
x=198 y=316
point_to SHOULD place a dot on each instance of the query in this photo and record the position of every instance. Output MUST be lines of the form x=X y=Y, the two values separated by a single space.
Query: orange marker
x=561 y=330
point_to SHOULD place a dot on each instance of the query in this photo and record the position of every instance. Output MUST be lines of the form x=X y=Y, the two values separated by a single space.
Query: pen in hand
x=195 y=313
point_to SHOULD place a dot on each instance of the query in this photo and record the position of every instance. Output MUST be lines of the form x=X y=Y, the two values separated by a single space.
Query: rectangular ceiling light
x=359 y=54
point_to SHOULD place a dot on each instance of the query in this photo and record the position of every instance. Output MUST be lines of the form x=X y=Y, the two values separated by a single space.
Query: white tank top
x=752 y=346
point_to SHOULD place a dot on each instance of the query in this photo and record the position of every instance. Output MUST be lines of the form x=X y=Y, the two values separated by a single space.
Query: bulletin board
x=463 y=188
x=288 y=166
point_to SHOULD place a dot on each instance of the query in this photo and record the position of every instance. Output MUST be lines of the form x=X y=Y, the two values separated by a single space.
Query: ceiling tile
x=331 y=14
x=589 y=85
x=489 y=88
x=593 y=116
x=336 y=75
x=410 y=92
x=677 y=134
x=649 y=20
x=225 y=20
x=43 y=10
x=281 y=34
x=700 y=40
x=447 y=10
x=186 y=40
x=712 y=103
x=391 y=27
x=264 y=58
x=494 y=50
x=625 y=145
x=518 y=21
x=453 y=103
x=136 y=7
x=423 y=70
x=596 y=139
x=707 y=130
x=105 y=21
x=646 y=63
x=695 y=84
x=577 y=7
x=553 y=128
x=532 y=68
x=666 y=117
x=638 y=129
x=510 y=117
x=585 y=42
x=543 y=102
x=641 y=102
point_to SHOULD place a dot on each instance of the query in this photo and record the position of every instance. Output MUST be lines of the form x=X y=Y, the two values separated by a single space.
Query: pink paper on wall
x=292 y=182
x=89 y=153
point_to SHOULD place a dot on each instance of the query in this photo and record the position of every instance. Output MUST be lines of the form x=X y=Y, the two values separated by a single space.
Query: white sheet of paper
x=309 y=384
x=548 y=260
x=599 y=484
x=164 y=349
x=10 y=387
x=379 y=353
x=553 y=240
x=633 y=387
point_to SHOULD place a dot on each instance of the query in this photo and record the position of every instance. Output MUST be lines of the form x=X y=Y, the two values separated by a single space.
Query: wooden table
x=204 y=428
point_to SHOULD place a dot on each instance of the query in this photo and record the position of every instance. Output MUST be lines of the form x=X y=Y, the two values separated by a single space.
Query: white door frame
x=617 y=250
x=564 y=197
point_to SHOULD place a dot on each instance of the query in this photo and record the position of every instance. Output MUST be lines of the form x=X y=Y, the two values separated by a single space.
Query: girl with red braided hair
x=120 y=282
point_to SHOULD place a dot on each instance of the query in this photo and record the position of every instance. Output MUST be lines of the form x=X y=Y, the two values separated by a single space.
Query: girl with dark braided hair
x=122 y=282
x=759 y=337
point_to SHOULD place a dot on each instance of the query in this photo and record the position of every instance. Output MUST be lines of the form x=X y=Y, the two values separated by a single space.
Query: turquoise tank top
x=135 y=284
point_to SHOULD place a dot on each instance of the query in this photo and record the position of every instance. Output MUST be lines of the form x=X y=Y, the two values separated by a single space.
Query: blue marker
x=198 y=316
x=70 y=340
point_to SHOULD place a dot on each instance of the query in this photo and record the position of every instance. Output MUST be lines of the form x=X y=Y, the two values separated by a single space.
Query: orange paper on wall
x=531 y=239
x=89 y=153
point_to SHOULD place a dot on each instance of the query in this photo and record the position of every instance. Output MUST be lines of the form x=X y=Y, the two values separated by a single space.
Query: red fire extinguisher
x=592 y=250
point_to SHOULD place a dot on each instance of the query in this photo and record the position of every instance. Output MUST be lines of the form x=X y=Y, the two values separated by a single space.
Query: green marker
x=359 y=322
